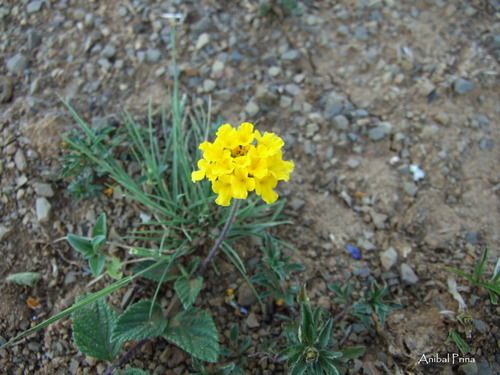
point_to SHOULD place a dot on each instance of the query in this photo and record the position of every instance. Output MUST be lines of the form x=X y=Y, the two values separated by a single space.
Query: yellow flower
x=236 y=166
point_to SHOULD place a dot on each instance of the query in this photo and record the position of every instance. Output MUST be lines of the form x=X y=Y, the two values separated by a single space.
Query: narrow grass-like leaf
x=92 y=328
x=299 y=367
x=24 y=278
x=188 y=289
x=194 y=331
x=352 y=352
x=136 y=322
x=459 y=341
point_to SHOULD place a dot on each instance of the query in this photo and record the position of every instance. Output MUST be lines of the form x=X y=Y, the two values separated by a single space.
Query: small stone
x=429 y=131
x=43 y=209
x=410 y=189
x=6 y=89
x=380 y=131
x=311 y=129
x=217 y=69
x=246 y=296
x=153 y=55
x=20 y=160
x=442 y=118
x=408 y=276
x=389 y=258
x=352 y=163
x=292 y=89
x=285 y=101
x=341 y=122
x=252 y=108
x=469 y=369
x=108 y=52
x=332 y=108
x=202 y=41
x=485 y=143
x=462 y=86
x=251 y=321
x=34 y=6
x=291 y=55
x=34 y=39
x=209 y=85
x=361 y=33
x=4 y=231
x=296 y=204
x=43 y=189
x=274 y=71
x=17 y=64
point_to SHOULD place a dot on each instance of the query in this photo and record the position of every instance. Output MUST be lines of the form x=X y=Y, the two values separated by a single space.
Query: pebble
x=34 y=39
x=352 y=163
x=251 y=320
x=4 y=231
x=388 y=258
x=311 y=129
x=252 y=108
x=153 y=55
x=291 y=55
x=408 y=276
x=246 y=296
x=410 y=189
x=442 y=118
x=332 y=108
x=292 y=89
x=296 y=204
x=6 y=90
x=202 y=41
x=17 y=64
x=462 y=86
x=209 y=85
x=108 y=52
x=43 y=209
x=34 y=6
x=341 y=122
x=285 y=101
x=380 y=131
x=274 y=71
x=43 y=189
x=469 y=369
x=20 y=160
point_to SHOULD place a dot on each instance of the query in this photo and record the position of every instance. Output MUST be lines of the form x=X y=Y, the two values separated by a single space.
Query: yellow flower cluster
x=236 y=166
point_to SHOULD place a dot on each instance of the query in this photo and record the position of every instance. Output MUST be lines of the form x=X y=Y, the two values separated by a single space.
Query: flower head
x=236 y=166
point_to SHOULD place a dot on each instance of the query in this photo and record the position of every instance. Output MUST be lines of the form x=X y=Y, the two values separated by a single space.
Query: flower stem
x=218 y=243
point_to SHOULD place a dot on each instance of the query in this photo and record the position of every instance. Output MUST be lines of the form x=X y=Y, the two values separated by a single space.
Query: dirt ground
x=388 y=109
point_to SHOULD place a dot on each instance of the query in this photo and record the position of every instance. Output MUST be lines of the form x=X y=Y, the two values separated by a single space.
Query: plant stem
x=173 y=303
x=218 y=243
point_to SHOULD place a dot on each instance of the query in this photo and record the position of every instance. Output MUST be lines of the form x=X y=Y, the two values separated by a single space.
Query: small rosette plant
x=236 y=166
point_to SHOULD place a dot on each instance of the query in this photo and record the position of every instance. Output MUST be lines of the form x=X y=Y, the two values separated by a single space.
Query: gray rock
x=484 y=368
x=43 y=189
x=352 y=163
x=252 y=108
x=108 y=52
x=20 y=160
x=341 y=122
x=389 y=258
x=251 y=321
x=468 y=369
x=410 y=189
x=17 y=64
x=361 y=33
x=494 y=41
x=153 y=55
x=292 y=89
x=4 y=231
x=209 y=85
x=408 y=276
x=34 y=6
x=485 y=143
x=291 y=55
x=274 y=71
x=246 y=296
x=43 y=210
x=332 y=108
x=462 y=86
x=296 y=204
x=34 y=39
x=285 y=101
x=202 y=41
x=311 y=129
x=203 y=25
x=380 y=131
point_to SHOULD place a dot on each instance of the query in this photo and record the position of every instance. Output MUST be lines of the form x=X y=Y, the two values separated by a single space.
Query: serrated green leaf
x=92 y=328
x=100 y=228
x=194 y=331
x=188 y=290
x=325 y=334
x=154 y=274
x=136 y=322
x=24 y=278
x=97 y=263
x=80 y=244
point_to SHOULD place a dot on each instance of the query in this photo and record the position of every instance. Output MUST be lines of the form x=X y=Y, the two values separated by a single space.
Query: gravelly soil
x=367 y=95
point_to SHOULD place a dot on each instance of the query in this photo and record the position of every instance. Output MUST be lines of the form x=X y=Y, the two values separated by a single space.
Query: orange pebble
x=33 y=303
x=229 y=291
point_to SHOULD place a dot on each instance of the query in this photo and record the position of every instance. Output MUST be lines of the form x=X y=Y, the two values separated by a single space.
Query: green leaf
x=306 y=328
x=325 y=334
x=155 y=274
x=100 y=228
x=132 y=371
x=24 y=278
x=114 y=268
x=355 y=352
x=92 y=328
x=136 y=322
x=460 y=273
x=80 y=244
x=97 y=263
x=234 y=333
x=461 y=344
x=97 y=243
x=188 y=290
x=194 y=331
x=299 y=367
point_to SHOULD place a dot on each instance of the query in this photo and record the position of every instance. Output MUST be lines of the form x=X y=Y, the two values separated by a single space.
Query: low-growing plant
x=454 y=336
x=273 y=272
x=311 y=350
x=372 y=303
x=492 y=286
x=280 y=8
